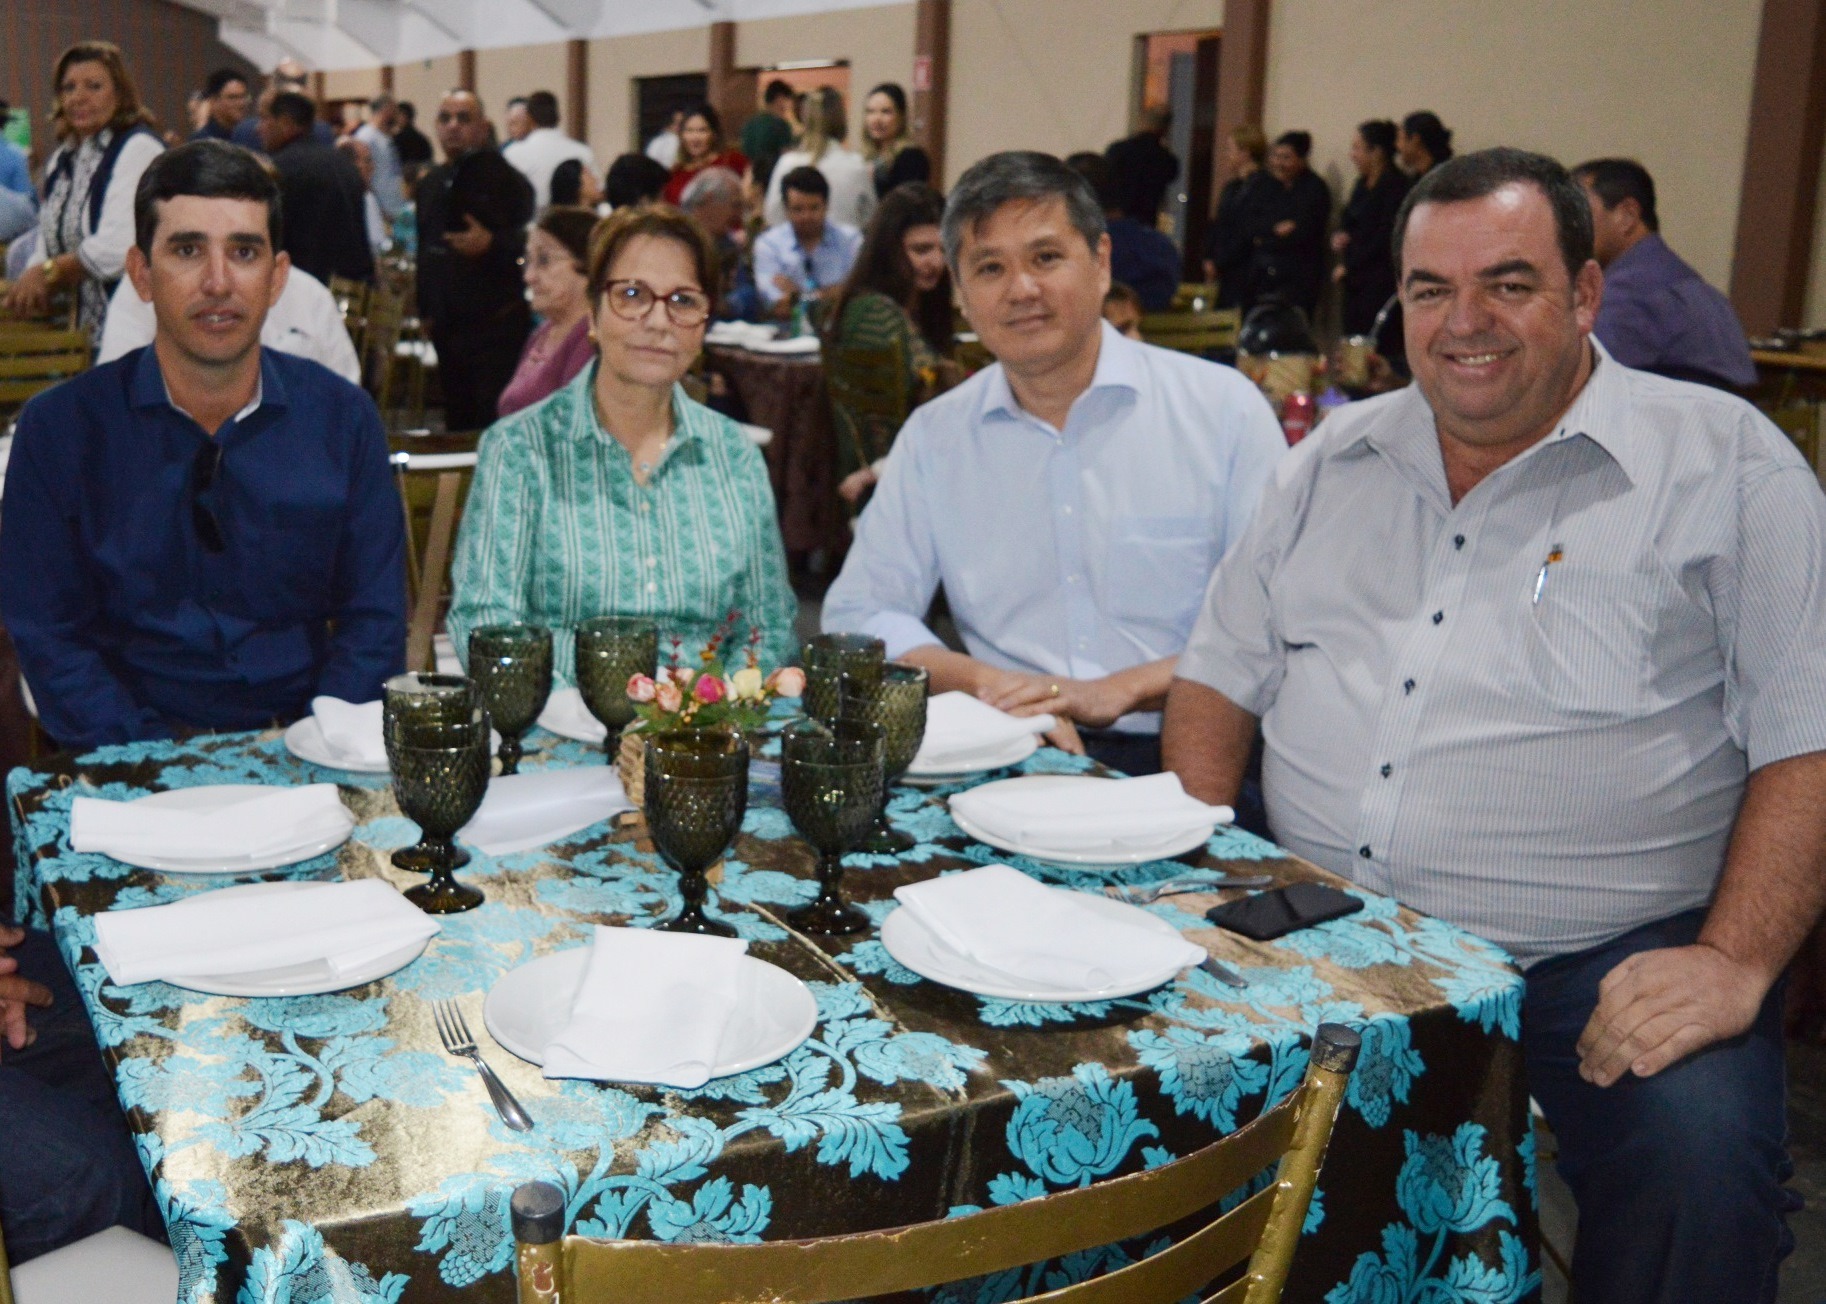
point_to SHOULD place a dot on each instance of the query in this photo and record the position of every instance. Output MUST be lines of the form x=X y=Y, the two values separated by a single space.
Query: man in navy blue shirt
x=203 y=534
x=1142 y=258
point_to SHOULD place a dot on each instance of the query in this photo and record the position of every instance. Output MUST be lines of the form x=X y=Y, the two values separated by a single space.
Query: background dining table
x=325 y=1147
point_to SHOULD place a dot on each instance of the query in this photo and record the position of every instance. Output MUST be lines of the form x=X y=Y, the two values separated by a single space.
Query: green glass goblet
x=829 y=656
x=898 y=704
x=439 y=778
x=416 y=700
x=512 y=668
x=695 y=796
x=610 y=651
x=831 y=784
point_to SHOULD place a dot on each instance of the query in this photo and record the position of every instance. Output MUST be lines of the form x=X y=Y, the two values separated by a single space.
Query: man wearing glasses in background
x=204 y=534
x=473 y=210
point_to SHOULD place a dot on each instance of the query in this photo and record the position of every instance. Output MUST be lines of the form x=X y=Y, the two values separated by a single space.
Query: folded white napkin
x=654 y=1007
x=961 y=727
x=352 y=732
x=567 y=716
x=1088 y=815
x=1004 y=920
x=344 y=925
x=794 y=345
x=522 y=811
x=270 y=820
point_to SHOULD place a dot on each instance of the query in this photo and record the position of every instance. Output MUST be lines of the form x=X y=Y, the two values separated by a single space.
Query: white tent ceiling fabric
x=326 y=35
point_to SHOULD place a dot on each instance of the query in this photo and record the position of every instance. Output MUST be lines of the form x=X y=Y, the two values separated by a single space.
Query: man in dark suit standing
x=326 y=225
x=1143 y=167
x=472 y=214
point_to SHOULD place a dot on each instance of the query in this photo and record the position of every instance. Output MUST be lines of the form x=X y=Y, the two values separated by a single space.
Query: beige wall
x=878 y=42
x=614 y=64
x=519 y=70
x=1664 y=81
x=1051 y=74
x=349 y=83
x=424 y=82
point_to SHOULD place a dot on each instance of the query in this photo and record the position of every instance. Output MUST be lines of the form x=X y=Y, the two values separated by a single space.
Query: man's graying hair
x=1473 y=176
x=1018 y=174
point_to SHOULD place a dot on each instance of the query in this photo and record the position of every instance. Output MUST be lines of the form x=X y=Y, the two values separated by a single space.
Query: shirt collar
x=684 y=429
x=148 y=389
x=1119 y=366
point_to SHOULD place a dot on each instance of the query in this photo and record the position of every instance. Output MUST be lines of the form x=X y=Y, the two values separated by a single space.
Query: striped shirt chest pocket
x=1587 y=634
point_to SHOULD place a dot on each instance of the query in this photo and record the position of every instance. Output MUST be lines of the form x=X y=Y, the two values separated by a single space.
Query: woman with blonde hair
x=852 y=180
x=105 y=138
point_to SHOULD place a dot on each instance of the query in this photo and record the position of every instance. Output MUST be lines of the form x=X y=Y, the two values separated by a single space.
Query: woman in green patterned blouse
x=619 y=495
x=897 y=297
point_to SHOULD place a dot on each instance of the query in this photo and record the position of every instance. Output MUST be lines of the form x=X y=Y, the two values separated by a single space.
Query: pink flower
x=709 y=689
x=788 y=681
x=642 y=689
x=667 y=697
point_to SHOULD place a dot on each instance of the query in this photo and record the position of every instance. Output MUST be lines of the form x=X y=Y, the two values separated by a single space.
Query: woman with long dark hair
x=887 y=143
x=700 y=146
x=1367 y=266
x=897 y=296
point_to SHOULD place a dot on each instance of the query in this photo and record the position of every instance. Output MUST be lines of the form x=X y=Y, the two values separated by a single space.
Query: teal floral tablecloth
x=326 y=1149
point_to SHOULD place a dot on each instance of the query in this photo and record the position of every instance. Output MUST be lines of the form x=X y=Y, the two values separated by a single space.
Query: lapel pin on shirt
x=1540 y=580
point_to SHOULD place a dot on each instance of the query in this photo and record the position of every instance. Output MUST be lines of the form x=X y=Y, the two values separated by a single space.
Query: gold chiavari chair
x=35 y=356
x=1192 y=332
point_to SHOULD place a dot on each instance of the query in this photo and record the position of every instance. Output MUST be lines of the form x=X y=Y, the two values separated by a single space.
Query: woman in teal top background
x=619 y=495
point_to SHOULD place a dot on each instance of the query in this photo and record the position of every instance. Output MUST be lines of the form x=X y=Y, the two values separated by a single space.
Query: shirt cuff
x=901 y=632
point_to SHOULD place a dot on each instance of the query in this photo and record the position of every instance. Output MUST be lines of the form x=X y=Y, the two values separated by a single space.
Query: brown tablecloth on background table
x=786 y=395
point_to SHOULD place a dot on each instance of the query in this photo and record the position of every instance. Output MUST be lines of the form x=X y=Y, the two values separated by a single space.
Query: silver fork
x=1142 y=894
x=454 y=1032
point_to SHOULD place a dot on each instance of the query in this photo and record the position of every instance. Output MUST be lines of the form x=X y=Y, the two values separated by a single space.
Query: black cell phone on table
x=1268 y=915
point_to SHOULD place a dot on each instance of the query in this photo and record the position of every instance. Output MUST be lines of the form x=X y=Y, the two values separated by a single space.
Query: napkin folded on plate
x=522 y=811
x=961 y=727
x=352 y=732
x=1087 y=816
x=654 y=1007
x=566 y=715
x=344 y=925
x=1004 y=920
x=269 y=820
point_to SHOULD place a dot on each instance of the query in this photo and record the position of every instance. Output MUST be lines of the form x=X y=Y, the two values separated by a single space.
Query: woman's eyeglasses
x=632 y=300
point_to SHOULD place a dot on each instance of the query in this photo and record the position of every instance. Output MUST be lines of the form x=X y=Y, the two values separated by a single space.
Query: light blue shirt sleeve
x=773 y=250
x=892 y=571
x=16 y=174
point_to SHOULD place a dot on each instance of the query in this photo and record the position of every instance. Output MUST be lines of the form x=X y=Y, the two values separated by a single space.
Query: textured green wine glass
x=512 y=668
x=439 y=788
x=696 y=793
x=610 y=651
x=829 y=656
x=831 y=783
x=418 y=701
x=897 y=703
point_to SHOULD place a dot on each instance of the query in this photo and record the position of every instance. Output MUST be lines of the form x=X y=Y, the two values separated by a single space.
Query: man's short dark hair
x=775 y=89
x=1618 y=179
x=1486 y=171
x=381 y=103
x=208 y=169
x=219 y=80
x=1300 y=142
x=542 y=108
x=299 y=110
x=1095 y=169
x=408 y=110
x=1018 y=174
x=807 y=181
x=634 y=179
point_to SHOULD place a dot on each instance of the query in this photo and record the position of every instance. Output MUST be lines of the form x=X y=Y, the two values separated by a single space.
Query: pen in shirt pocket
x=1556 y=553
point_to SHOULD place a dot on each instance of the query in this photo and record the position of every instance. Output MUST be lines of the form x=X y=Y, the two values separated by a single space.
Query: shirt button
x=1364 y=851
x=1407 y=686
x=1387 y=770
x=646 y=507
x=1067 y=509
x=652 y=587
x=652 y=562
x=1071 y=579
x=1438 y=616
x=1458 y=541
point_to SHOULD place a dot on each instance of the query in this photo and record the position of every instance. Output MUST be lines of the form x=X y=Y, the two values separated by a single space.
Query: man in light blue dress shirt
x=1073 y=499
x=806 y=254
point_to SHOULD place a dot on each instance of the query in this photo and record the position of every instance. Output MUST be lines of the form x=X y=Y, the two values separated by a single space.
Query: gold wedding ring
x=1054 y=691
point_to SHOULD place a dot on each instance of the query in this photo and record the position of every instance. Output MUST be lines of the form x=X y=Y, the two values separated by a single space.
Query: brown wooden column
x=1242 y=77
x=931 y=80
x=386 y=78
x=1775 y=211
x=466 y=70
x=577 y=90
x=317 y=82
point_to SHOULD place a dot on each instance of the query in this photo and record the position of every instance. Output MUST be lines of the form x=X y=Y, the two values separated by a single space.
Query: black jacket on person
x=911 y=164
x=1293 y=265
x=1369 y=258
x=1243 y=208
x=1142 y=169
x=325 y=215
x=412 y=145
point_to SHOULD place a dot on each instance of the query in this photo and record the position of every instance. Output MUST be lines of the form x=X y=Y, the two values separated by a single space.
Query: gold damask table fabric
x=326 y=1149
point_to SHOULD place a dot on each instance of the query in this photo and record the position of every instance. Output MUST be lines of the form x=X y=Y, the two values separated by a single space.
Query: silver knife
x=1222 y=972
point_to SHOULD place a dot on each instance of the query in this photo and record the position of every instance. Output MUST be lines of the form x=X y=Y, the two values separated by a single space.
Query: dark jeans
x=1132 y=753
x=474 y=366
x=67 y=1166
x=1678 y=1177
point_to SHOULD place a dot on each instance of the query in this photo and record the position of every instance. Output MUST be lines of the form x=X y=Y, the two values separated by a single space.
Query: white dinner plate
x=1163 y=847
x=567 y=716
x=215 y=796
x=964 y=765
x=913 y=944
x=313 y=979
x=305 y=740
x=530 y=1005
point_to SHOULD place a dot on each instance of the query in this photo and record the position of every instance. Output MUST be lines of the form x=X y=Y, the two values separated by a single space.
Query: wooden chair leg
x=423 y=625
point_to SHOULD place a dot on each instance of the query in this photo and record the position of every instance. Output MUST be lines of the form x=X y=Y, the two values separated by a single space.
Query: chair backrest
x=1263 y=1229
x=869 y=400
x=433 y=488
x=1194 y=294
x=1192 y=332
x=33 y=360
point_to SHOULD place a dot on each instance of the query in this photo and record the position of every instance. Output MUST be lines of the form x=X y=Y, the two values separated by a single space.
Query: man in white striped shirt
x=1539 y=646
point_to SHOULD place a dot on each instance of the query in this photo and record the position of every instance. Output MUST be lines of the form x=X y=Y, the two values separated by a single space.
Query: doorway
x=1178 y=71
x=656 y=99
